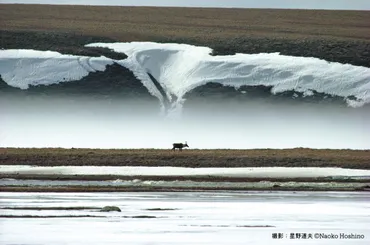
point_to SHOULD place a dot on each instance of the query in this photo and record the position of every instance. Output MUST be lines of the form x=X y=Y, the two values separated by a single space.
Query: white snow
x=22 y=67
x=267 y=172
x=180 y=68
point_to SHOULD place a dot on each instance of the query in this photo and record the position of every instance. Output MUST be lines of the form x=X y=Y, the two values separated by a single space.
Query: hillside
x=340 y=36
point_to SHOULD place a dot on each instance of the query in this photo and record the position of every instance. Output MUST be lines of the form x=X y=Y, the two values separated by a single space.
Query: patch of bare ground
x=342 y=36
x=298 y=157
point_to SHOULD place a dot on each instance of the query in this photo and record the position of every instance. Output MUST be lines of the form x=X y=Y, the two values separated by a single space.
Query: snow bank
x=22 y=67
x=180 y=68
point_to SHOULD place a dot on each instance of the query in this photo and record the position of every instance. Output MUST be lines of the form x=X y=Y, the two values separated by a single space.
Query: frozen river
x=186 y=218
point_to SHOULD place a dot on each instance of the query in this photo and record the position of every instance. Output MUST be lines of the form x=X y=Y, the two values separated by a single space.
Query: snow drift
x=179 y=68
x=21 y=67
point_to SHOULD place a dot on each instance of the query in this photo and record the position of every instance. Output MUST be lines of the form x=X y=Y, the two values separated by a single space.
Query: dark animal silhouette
x=179 y=146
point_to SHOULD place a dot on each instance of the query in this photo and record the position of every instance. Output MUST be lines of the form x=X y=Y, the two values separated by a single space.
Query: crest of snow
x=22 y=68
x=180 y=68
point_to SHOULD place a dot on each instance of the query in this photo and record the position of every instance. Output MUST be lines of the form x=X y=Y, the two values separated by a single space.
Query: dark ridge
x=115 y=81
x=62 y=42
x=159 y=87
x=216 y=91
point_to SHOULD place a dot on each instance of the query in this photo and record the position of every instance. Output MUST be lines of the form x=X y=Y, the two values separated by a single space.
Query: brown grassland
x=341 y=36
x=145 y=23
x=299 y=157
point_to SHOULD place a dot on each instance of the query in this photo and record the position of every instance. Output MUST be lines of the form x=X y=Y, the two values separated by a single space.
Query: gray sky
x=300 y=4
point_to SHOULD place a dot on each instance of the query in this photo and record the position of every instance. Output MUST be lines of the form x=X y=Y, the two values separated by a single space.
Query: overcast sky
x=301 y=4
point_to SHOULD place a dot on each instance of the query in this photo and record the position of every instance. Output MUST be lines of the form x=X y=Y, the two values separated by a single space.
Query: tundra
x=179 y=146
